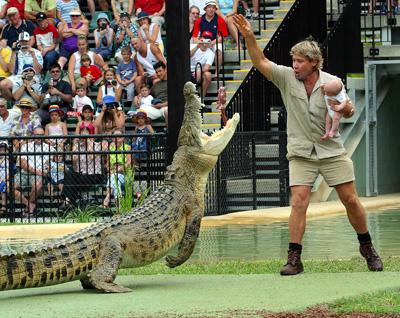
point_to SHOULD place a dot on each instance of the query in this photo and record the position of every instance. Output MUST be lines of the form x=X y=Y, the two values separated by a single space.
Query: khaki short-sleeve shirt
x=305 y=116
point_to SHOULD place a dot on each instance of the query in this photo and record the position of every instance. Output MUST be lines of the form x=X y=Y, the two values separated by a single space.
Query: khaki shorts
x=335 y=170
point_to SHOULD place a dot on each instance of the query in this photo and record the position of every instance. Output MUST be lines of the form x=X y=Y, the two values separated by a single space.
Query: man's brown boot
x=293 y=265
x=374 y=262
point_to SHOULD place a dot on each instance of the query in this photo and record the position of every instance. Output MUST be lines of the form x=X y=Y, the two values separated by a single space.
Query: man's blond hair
x=310 y=50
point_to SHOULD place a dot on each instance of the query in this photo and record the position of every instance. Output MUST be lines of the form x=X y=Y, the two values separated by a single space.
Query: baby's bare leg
x=335 y=124
x=328 y=125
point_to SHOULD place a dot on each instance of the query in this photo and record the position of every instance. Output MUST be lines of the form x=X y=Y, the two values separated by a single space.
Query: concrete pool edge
x=316 y=210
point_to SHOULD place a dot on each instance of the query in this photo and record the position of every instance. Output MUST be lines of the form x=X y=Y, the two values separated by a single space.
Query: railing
x=379 y=24
x=342 y=48
x=87 y=170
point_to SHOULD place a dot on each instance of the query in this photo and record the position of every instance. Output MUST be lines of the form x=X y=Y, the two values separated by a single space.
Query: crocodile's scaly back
x=171 y=215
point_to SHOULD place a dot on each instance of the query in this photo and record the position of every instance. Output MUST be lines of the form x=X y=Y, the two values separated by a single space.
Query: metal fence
x=49 y=179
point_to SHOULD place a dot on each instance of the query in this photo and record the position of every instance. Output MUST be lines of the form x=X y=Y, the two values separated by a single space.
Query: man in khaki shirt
x=308 y=154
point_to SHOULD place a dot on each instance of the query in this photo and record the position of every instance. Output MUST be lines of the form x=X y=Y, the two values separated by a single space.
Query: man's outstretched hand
x=242 y=24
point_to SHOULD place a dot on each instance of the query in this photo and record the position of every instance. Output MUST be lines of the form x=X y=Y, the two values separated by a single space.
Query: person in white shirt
x=6 y=118
x=81 y=99
x=22 y=54
x=34 y=169
x=201 y=59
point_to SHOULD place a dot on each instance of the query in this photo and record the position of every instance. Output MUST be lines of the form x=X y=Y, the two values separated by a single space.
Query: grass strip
x=382 y=302
x=391 y=264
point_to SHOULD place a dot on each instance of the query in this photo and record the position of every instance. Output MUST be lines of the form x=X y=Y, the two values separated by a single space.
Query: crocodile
x=169 y=217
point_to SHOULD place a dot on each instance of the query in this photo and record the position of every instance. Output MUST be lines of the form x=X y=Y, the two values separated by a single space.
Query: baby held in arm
x=336 y=99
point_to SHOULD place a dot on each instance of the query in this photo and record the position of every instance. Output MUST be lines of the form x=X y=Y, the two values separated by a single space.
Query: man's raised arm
x=260 y=62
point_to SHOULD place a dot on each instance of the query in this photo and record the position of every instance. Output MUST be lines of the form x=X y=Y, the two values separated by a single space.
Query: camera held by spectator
x=112 y=82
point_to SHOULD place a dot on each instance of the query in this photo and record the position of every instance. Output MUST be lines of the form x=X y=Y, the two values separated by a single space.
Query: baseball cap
x=24 y=36
x=41 y=16
x=75 y=12
x=87 y=106
x=207 y=35
x=3 y=143
x=210 y=3
x=12 y=10
x=28 y=67
x=124 y=14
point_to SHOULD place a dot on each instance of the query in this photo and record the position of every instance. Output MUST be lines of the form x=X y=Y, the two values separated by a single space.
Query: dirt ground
x=315 y=312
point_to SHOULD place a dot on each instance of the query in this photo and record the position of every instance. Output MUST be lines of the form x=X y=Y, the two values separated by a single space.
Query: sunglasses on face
x=24 y=107
x=56 y=71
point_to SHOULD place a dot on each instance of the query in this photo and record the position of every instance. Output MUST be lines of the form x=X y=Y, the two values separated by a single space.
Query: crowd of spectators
x=48 y=74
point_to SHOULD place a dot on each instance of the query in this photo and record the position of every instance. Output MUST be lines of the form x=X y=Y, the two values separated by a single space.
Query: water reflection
x=326 y=238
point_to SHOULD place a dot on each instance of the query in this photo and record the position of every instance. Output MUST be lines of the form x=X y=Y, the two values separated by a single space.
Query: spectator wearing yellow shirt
x=5 y=56
x=33 y=7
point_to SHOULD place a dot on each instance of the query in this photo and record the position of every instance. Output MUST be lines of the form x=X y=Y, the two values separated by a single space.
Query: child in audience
x=85 y=121
x=4 y=170
x=56 y=127
x=143 y=126
x=90 y=72
x=127 y=73
x=81 y=99
x=142 y=100
x=335 y=92
x=57 y=173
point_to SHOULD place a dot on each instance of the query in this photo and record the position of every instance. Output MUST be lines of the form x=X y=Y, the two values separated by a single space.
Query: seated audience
x=126 y=32
x=126 y=73
x=74 y=64
x=56 y=127
x=104 y=37
x=149 y=32
x=34 y=7
x=156 y=9
x=5 y=57
x=55 y=91
x=159 y=91
x=90 y=72
x=70 y=32
x=199 y=4
x=227 y=8
x=4 y=175
x=85 y=120
x=25 y=123
x=57 y=173
x=7 y=117
x=194 y=13
x=26 y=55
x=201 y=60
x=64 y=10
x=143 y=99
x=110 y=117
x=15 y=27
x=80 y=99
x=33 y=170
x=46 y=37
x=251 y=14
x=27 y=87
x=110 y=87
x=146 y=55
x=87 y=168
x=119 y=6
x=140 y=143
x=117 y=166
x=211 y=22
x=3 y=10
x=19 y=5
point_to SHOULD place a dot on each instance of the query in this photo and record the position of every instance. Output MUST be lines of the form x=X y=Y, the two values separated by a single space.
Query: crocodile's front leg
x=103 y=275
x=188 y=242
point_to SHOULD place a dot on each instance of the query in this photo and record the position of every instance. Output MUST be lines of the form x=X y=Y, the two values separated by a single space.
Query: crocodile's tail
x=48 y=264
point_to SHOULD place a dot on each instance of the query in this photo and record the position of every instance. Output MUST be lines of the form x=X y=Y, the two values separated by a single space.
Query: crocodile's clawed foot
x=172 y=261
x=111 y=288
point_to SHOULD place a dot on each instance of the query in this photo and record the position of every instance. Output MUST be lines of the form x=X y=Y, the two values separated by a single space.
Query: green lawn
x=391 y=264
x=384 y=302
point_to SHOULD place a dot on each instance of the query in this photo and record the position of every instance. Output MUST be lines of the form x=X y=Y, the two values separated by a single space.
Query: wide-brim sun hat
x=102 y=15
x=210 y=3
x=56 y=108
x=26 y=102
